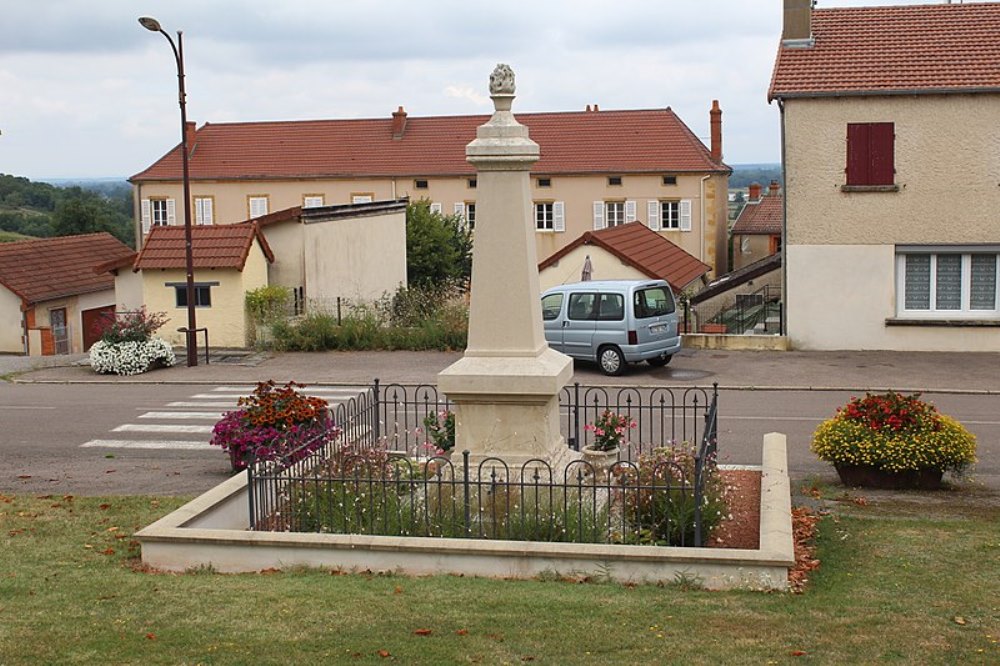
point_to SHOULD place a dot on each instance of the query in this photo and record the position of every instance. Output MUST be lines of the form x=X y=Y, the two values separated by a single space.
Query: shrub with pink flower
x=274 y=422
x=610 y=431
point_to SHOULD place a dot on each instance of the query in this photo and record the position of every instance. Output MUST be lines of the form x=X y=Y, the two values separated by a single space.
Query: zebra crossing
x=186 y=425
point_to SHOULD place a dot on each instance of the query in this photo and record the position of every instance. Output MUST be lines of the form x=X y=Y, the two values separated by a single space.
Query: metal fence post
x=251 y=497
x=699 y=466
x=466 y=500
x=376 y=421
x=575 y=425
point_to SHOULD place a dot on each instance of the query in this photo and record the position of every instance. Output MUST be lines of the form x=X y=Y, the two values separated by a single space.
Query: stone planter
x=602 y=461
x=865 y=476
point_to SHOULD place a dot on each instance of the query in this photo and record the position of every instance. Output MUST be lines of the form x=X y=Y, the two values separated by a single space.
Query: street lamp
x=191 y=338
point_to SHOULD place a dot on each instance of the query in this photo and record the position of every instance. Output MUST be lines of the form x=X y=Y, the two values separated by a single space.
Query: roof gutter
x=879 y=93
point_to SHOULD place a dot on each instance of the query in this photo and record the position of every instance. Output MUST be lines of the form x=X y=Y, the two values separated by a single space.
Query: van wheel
x=612 y=360
x=659 y=361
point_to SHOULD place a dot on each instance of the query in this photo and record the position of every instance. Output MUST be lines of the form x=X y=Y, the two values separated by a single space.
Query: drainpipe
x=704 y=221
x=783 y=329
x=24 y=328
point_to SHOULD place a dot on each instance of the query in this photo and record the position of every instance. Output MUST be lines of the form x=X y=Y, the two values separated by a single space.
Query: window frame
x=675 y=204
x=258 y=197
x=202 y=292
x=607 y=213
x=965 y=311
x=199 y=215
x=153 y=205
x=307 y=197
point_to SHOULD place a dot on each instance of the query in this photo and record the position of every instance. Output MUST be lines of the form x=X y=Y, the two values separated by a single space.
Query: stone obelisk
x=506 y=387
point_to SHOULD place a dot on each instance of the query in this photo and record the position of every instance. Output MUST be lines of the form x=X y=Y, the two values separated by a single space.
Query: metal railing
x=377 y=465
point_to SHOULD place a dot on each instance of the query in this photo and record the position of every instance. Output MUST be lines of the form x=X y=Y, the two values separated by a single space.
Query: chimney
x=754 y=192
x=189 y=136
x=715 y=115
x=774 y=188
x=796 y=31
x=398 y=124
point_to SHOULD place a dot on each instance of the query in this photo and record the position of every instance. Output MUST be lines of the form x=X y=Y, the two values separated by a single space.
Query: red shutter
x=857 y=154
x=870 y=154
x=880 y=145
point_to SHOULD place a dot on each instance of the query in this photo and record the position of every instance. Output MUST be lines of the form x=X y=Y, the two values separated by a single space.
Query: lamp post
x=191 y=338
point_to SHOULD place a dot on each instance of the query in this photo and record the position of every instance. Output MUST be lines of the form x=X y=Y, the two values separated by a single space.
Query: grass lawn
x=895 y=585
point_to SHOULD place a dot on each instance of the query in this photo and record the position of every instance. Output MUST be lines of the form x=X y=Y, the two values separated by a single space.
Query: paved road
x=55 y=437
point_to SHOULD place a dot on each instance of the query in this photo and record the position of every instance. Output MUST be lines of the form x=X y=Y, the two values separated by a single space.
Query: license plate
x=657 y=328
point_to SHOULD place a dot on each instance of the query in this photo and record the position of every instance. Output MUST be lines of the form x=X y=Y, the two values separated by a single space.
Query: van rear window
x=653 y=302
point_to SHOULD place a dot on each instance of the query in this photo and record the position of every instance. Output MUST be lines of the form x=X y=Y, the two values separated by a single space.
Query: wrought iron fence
x=376 y=476
x=653 y=502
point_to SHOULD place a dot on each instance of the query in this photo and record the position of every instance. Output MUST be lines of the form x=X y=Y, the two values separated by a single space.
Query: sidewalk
x=932 y=372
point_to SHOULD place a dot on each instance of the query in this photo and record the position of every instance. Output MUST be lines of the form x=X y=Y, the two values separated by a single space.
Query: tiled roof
x=763 y=216
x=642 y=248
x=223 y=246
x=49 y=268
x=901 y=49
x=576 y=142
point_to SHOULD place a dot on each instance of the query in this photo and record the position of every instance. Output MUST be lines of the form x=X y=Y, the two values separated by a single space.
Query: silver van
x=613 y=322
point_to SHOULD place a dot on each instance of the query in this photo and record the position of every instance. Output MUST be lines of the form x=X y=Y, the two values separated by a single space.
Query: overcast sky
x=85 y=91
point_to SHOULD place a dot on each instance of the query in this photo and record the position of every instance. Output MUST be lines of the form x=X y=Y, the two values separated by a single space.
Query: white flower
x=130 y=358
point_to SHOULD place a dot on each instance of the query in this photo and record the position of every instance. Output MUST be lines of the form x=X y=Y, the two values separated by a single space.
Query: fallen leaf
x=958 y=619
x=112 y=529
x=462 y=632
x=104 y=507
x=151 y=636
x=24 y=476
x=798 y=653
x=385 y=654
x=422 y=632
x=860 y=501
x=527 y=657
x=398 y=590
x=108 y=551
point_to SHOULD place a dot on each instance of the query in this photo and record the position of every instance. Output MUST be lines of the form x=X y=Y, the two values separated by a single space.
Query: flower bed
x=127 y=345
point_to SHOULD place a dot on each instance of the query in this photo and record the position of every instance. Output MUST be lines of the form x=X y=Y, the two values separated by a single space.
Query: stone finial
x=502 y=80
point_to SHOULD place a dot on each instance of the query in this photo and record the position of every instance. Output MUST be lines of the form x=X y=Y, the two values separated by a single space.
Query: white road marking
x=25 y=407
x=309 y=390
x=155 y=427
x=213 y=416
x=149 y=444
x=221 y=405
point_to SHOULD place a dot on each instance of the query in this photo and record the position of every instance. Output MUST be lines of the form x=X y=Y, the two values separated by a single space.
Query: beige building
x=597 y=169
x=51 y=299
x=757 y=231
x=228 y=262
x=891 y=167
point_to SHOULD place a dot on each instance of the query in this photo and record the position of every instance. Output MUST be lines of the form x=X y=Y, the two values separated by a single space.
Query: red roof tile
x=49 y=268
x=642 y=248
x=902 y=49
x=763 y=216
x=223 y=246
x=577 y=142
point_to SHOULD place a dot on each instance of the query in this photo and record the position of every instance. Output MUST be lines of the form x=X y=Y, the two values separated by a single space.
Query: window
x=581 y=306
x=614 y=180
x=313 y=200
x=467 y=211
x=870 y=155
x=669 y=215
x=551 y=306
x=159 y=207
x=362 y=198
x=544 y=182
x=611 y=307
x=950 y=284
x=472 y=182
x=653 y=302
x=550 y=216
x=745 y=246
x=670 y=180
x=202 y=294
x=204 y=208
x=420 y=184
x=257 y=205
x=614 y=213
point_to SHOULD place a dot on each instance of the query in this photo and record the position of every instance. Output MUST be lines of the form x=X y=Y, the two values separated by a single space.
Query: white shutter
x=558 y=216
x=598 y=215
x=653 y=214
x=460 y=212
x=203 y=210
x=145 y=216
x=685 y=214
x=629 y=211
x=207 y=213
x=171 y=212
x=435 y=207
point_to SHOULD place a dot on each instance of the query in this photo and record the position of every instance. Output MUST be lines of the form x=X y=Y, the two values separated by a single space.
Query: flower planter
x=865 y=476
x=601 y=461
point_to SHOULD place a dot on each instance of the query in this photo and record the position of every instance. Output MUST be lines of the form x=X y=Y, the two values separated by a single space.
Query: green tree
x=438 y=247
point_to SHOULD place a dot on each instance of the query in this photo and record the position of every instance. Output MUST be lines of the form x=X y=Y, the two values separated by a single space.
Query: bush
x=130 y=325
x=265 y=307
x=415 y=319
x=894 y=433
x=131 y=357
x=274 y=423
x=660 y=508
